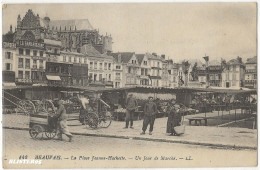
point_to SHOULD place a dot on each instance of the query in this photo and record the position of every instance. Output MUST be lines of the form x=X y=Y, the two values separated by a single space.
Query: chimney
x=47 y=19
x=11 y=29
x=206 y=58
x=154 y=54
x=119 y=58
x=163 y=56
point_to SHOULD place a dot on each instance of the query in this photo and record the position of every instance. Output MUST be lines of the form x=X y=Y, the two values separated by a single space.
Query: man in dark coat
x=150 y=109
x=174 y=117
x=131 y=106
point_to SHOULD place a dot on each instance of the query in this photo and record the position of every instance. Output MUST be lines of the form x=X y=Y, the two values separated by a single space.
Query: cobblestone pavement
x=19 y=142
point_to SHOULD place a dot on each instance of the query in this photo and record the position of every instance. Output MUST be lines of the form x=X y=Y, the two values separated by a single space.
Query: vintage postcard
x=129 y=85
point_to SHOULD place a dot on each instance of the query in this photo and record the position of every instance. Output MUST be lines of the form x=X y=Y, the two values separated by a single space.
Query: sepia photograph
x=129 y=85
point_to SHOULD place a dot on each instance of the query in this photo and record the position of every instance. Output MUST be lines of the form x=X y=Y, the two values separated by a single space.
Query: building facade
x=251 y=73
x=233 y=74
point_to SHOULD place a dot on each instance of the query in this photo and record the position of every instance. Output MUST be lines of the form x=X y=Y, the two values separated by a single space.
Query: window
x=129 y=69
x=41 y=53
x=69 y=58
x=27 y=52
x=117 y=84
x=109 y=66
x=34 y=52
x=75 y=59
x=64 y=58
x=20 y=51
x=142 y=71
x=100 y=77
x=100 y=66
x=145 y=63
x=95 y=65
x=90 y=76
x=95 y=77
x=118 y=67
x=34 y=63
x=105 y=66
x=85 y=60
x=8 y=66
x=118 y=76
x=41 y=63
x=237 y=68
x=9 y=55
x=132 y=61
x=20 y=74
x=20 y=63
x=55 y=51
x=146 y=72
x=27 y=63
x=255 y=76
x=109 y=77
x=158 y=64
x=91 y=65
x=27 y=74
x=79 y=59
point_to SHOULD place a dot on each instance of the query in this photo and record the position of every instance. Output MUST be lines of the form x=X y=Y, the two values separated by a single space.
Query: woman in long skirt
x=174 y=117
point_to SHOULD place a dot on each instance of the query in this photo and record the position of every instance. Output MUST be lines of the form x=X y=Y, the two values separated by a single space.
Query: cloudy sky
x=178 y=30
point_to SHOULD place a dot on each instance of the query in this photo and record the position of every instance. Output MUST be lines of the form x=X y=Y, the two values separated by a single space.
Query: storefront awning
x=55 y=78
x=9 y=84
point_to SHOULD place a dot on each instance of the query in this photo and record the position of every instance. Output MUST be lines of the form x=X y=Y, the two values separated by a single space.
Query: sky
x=179 y=30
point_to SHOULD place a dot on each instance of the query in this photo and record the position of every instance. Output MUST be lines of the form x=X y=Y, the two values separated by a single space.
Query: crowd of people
x=174 y=111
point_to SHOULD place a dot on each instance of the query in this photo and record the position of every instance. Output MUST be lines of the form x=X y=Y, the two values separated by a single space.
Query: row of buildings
x=71 y=53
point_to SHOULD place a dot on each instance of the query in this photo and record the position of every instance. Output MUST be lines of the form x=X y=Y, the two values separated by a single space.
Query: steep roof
x=90 y=51
x=151 y=56
x=235 y=62
x=252 y=60
x=80 y=24
x=125 y=56
x=8 y=37
x=140 y=58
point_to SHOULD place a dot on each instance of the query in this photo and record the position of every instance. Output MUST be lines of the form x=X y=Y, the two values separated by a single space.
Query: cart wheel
x=36 y=132
x=92 y=120
x=105 y=120
x=50 y=134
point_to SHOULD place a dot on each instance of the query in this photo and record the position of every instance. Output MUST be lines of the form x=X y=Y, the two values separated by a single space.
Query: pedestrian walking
x=131 y=106
x=62 y=121
x=174 y=117
x=150 y=110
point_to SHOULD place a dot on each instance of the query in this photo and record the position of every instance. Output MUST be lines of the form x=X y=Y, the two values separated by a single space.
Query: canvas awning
x=55 y=78
x=9 y=84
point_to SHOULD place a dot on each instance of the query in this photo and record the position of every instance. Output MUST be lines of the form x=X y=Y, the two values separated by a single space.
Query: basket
x=179 y=129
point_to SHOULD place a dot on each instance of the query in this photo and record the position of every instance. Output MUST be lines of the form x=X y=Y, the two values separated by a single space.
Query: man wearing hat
x=131 y=105
x=62 y=121
x=150 y=109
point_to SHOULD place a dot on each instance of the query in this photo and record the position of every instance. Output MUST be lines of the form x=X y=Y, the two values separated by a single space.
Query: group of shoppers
x=150 y=110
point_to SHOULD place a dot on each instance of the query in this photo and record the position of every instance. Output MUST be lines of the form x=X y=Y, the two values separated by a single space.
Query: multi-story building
x=9 y=63
x=100 y=67
x=30 y=54
x=202 y=76
x=165 y=73
x=251 y=73
x=155 y=62
x=130 y=76
x=118 y=71
x=233 y=74
x=214 y=75
x=144 y=70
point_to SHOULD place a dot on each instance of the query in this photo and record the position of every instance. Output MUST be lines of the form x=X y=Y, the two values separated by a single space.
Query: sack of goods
x=180 y=129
